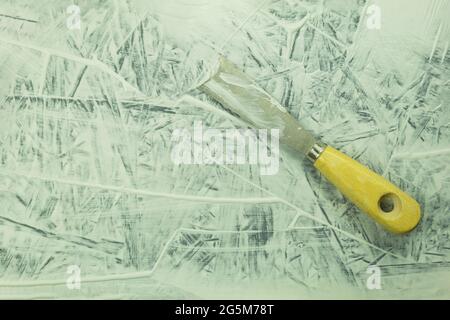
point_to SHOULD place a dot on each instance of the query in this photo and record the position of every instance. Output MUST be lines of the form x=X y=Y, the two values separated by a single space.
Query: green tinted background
x=86 y=177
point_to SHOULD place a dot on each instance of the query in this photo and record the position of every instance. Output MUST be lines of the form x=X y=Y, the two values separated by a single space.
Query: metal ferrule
x=316 y=151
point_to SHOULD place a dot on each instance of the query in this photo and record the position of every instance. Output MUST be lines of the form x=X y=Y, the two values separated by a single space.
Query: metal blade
x=242 y=96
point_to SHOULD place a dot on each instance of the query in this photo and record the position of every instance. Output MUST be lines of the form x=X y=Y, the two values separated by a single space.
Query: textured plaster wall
x=86 y=177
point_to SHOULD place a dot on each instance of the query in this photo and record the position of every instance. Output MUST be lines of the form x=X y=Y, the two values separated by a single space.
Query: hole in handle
x=389 y=203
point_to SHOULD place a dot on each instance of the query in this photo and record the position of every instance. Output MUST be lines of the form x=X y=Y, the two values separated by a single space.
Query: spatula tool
x=381 y=200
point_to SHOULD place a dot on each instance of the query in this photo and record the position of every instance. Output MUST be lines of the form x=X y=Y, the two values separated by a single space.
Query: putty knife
x=385 y=203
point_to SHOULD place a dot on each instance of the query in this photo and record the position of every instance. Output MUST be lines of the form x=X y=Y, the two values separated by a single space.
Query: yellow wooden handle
x=373 y=194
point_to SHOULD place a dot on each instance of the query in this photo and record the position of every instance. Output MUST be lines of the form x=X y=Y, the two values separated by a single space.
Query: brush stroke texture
x=85 y=173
